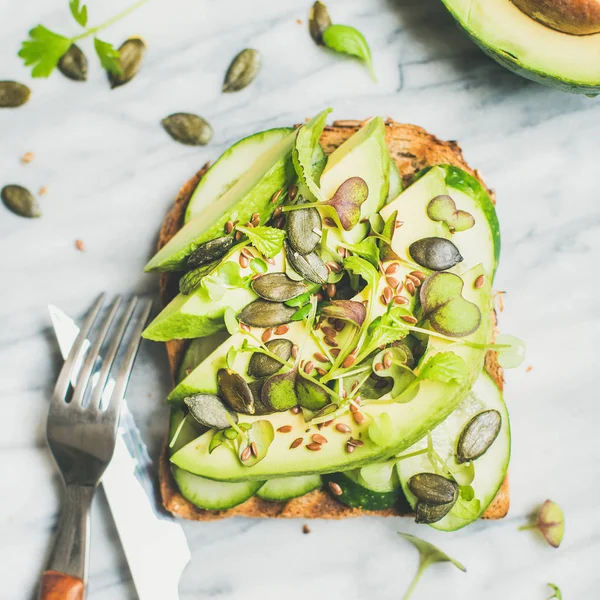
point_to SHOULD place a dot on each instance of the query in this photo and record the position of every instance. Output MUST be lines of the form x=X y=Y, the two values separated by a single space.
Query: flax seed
x=410 y=287
x=309 y=367
x=354 y=442
x=350 y=448
x=271 y=261
x=319 y=297
x=409 y=319
x=254 y=449
x=331 y=290
x=43 y=190
x=320 y=357
x=228 y=227
x=330 y=341
x=294 y=351
x=479 y=282
x=276 y=195
x=247 y=253
x=277 y=212
x=419 y=275
x=392 y=282
x=245 y=327
x=256 y=276
x=27 y=158
x=329 y=222
x=279 y=222
x=398 y=224
x=284 y=429
x=238 y=236
x=282 y=330
x=343 y=428
x=349 y=361
x=355 y=384
x=244 y=262
x=321 y=371
x=359 y=417
x=379 y=367
x=327 y=423
x=416 y=281
x=255 y=218
x=335 y=488
x=400 y=300
x=333 y=266
x=393 y=268
x=353 y=408
x=342 y=251
x=339 y=326
x=319 y=439
x=80 y=245
x=292 y=192
x=313 y=446
x=296 y=443
x=267 y=334
x=330 y=331
x=383 y=300
x=335 y=352
x=295 y=410
x=387 y=360
x=344 y=394
x=246 y=453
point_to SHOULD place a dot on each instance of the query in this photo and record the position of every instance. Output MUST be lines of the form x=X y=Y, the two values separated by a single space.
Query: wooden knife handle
x=60 y=586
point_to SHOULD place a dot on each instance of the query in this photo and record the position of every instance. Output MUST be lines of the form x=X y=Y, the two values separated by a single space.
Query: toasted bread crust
x=413 y=149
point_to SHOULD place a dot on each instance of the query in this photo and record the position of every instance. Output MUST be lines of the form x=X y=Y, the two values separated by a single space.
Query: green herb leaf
x=262 y=434
x=385 y=329
x=217 y=440
x=43 y=50
x=385 y=243
x=514 y=354
x=550 y=522
x=348 y=40
x=367 y=249
x=108 y=55
x=227 y=276
x=446 y=367
x=468 y=510
x=381 y=429
x=429 y=555
x=359 y=266
x=79 y=13
x=258 y=265
x=556 y=592
x=302 y=313
x=231 y=356
x=231 y=323
x=267 y=240
x=347 y=310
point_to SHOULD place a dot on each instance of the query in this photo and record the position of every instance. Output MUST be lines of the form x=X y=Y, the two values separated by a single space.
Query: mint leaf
x=446 y=367
x=556 y=592
x=43 y=50
x=80 y=14
x=348 y=40
x=267 y=240
x=109 y=56
x=381 y=429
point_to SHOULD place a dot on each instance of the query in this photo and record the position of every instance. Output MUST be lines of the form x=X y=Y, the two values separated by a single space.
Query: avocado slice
x=530 y=48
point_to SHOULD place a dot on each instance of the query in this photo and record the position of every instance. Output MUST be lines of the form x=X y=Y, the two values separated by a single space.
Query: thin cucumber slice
x=356 y=496
x=230 y=166
x=489 y=469
x=204 y=493
x=286 y=488
x=377 y=477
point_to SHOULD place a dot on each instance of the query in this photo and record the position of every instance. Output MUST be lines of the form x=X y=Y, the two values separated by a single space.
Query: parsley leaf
x=348 y=40
x=381 y=429
x=43 y=50
x=267 y=240
x=108 y=55
x=446 y=367
x=79 y=13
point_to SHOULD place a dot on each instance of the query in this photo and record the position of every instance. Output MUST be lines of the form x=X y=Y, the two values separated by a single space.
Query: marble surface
x=112 y=173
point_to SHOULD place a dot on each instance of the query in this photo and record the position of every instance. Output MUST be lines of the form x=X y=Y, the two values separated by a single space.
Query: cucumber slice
x=356 y=495
x=378 y=477
x=286 y=488
x=490 y=468
x=230 y=166
x=204 y=493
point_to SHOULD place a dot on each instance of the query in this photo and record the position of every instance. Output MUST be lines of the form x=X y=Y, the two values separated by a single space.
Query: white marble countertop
x=112 y=173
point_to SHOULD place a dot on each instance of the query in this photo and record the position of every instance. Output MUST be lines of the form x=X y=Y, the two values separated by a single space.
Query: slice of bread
x=413 y=149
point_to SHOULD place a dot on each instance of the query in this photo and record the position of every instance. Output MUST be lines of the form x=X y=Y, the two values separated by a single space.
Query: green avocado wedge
x=489 y=470
x=230 y=167
x=529 y=48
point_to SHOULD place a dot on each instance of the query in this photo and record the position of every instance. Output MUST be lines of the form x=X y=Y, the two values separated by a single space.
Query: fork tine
x=64 y=377
x=109 y=357
x=122 y=378
x=92 y=355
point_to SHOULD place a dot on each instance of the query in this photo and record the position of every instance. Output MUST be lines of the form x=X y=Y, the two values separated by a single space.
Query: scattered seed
x=416 y=281
x=388 y=294
x=392 y=282
x=333 y=266
x=355 y=385
x=398 y=224
x=309 y=367
x=410 y=287
x=330 y=331
x=296 y=410
x=339 y=326
x=13 y=94
x=329 y=222
x=228 y=227
x=244 y=262
x=353 y=408
x=354 y=442
x=419 y=275
x=331 y=290
x=343 y=428
x=344 y=393
x=254 y=448
x=330 y=341
x=478 y=435
x=247 y=252
x=20 y=201
x=292 y=192
x=392 y=268
x=409 y=319
x=327 y=423
x=255 y=217
x=246 y=453
x=342 y=251
x=245 y=327
x=267 y=334
x=401 y=300
x=379 y=367
x=131 y=53
x=479 y=282
x=335 y=488
x=305 y=529
x=318 y=21
x=320 y=357
x=274 y=199
x=319 y=439
x=349 y=361
x=43 y=190
x=73 y=64
x=321 y=371
x=27 y=158
x=242 y=71
x=296 y=442
x=350 y=448
x=529 y=369
x=387 y=360
x=284 y=429
x=335 y=352
x=80 y=245
x=295 y=351
x=359 y=417
x=314 y=446
x=188 y=129
x=282 y=330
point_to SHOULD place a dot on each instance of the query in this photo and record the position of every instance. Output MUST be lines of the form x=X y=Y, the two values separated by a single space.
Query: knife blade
x=154 y=543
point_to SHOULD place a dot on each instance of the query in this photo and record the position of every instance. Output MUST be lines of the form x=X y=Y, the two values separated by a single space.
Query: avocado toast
x=365 y=446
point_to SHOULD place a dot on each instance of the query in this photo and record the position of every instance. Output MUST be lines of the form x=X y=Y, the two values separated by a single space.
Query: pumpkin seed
x=433 y=489
x=261 y=365
x=210 y=411
x=256 y=388
x=210 y=251
x=13 y=94
x=301 y=227
x=20 y=201
x=478 y=435
x=242 y=70
x=73 y=64
x=278 y=287
x=435 y=253
x=131 y=53
x=318 y=21
x=429 y=513
x=188 y=129
x=279 y=392
x=310 y=395
x=262 y=313
x=235 y=391
x=191 y=281
x=310 y=266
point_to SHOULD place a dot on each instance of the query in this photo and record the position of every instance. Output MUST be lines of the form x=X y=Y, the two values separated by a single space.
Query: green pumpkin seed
x=188 y=129
x=435 y=253
x=191 y=281
x=279 y=393
x=428 y=513
x=210 y=251
x=303 y=229
x=433 y=489
x=242 y=70
x=131 y=53
x=13 y=94
x=478 y=435
x=20 y=201
x=261 y=365
x=210 y=411
x=73 y=64
x=235 y=391
x=318 y=21
x=277 y=287
x=310 y=266
x=259 y=407
x=262 y=313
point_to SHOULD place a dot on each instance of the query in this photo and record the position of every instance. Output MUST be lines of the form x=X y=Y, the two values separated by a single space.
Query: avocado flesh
x=434 y=402
x=529 y=48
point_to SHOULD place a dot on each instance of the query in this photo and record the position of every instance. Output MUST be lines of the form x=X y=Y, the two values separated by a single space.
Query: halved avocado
x=530 y=48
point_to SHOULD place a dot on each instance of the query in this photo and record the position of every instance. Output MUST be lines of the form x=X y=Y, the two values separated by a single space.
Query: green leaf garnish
x=367 y=249
x=556 y=592
x=550 y=522
x=381 y=429
x=513 y=353
x=429 y=555
x=108 y=55
x=227 y=276
x=348 y=40
x=267 y=240
x=43 y=50
x=359 y=266
x=446 y=367
x=258 y=265
x=347 y=310
x=347 y=201
x=261 y=434
x=231 y=323
x=79 y=13
x=384 y=330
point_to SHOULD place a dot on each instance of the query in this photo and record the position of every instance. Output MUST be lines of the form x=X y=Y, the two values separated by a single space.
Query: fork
x=81 y=436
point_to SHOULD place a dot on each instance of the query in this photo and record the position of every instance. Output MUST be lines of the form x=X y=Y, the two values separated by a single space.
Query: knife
x=154 y=543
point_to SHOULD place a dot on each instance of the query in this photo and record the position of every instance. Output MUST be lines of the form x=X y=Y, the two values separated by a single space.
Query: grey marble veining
x=112 y=173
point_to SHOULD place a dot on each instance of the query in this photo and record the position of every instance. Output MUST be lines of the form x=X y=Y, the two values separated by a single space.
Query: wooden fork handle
x=60 y=586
